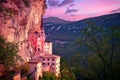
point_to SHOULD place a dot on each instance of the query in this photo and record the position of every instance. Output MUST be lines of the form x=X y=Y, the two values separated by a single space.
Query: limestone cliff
x=19 y=18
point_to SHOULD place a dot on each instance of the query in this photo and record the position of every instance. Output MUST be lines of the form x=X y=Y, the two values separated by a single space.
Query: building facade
x=35 y=71
x=42 y=52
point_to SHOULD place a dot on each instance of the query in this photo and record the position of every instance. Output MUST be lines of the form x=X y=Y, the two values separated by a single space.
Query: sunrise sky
x=79 y=9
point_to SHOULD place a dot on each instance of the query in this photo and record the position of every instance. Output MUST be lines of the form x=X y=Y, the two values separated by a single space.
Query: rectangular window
x=52 y=59
x=48 y=64
x=43 y=63
x=38 y=49
x=43 y=59
x=52 y=63
x=48 y=59
x=35 y=68
x=52 y=68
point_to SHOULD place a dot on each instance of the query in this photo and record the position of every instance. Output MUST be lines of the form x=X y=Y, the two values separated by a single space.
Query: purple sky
x=80 y=9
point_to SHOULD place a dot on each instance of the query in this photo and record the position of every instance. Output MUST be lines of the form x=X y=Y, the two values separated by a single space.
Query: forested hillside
x=90 y=47
x=64 y=33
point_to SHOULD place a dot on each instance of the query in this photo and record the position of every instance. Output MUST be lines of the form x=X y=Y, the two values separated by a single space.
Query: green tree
x=8 y=54
x=66 y=73
x=98 y=65
x=48 y=76
x=115 y=55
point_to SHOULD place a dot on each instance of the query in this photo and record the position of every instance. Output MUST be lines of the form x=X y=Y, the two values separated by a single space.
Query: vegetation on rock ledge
x=8 y=56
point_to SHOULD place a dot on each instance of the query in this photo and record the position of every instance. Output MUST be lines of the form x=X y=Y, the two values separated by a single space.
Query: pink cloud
x=54 y=12
x=65 y=2
x=58 y=4
x=97 y=6
x=85 y=9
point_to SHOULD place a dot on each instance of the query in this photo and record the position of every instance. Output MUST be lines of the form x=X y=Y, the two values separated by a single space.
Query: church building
x=42 y=54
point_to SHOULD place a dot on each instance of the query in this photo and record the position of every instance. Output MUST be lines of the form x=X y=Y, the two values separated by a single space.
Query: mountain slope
x=55 y=20
x=63 y=35
x=105 y=20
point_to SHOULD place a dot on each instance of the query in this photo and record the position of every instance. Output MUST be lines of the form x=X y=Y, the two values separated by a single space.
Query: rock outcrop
x=19 y=18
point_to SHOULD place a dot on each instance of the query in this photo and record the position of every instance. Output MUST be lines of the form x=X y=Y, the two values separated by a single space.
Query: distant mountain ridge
x=61 y=27
x=104 y=20
x=55 y=20
x=63 y=34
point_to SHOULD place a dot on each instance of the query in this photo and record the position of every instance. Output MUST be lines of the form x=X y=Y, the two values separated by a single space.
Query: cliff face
x=19 y=18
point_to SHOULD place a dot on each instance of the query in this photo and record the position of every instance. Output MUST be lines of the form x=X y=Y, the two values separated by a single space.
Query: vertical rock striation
x=19 y=18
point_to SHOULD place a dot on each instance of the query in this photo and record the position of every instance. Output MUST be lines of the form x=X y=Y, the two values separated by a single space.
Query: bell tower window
x=42 y=32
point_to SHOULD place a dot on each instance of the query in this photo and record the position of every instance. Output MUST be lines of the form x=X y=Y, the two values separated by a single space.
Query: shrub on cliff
x=8 y=54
